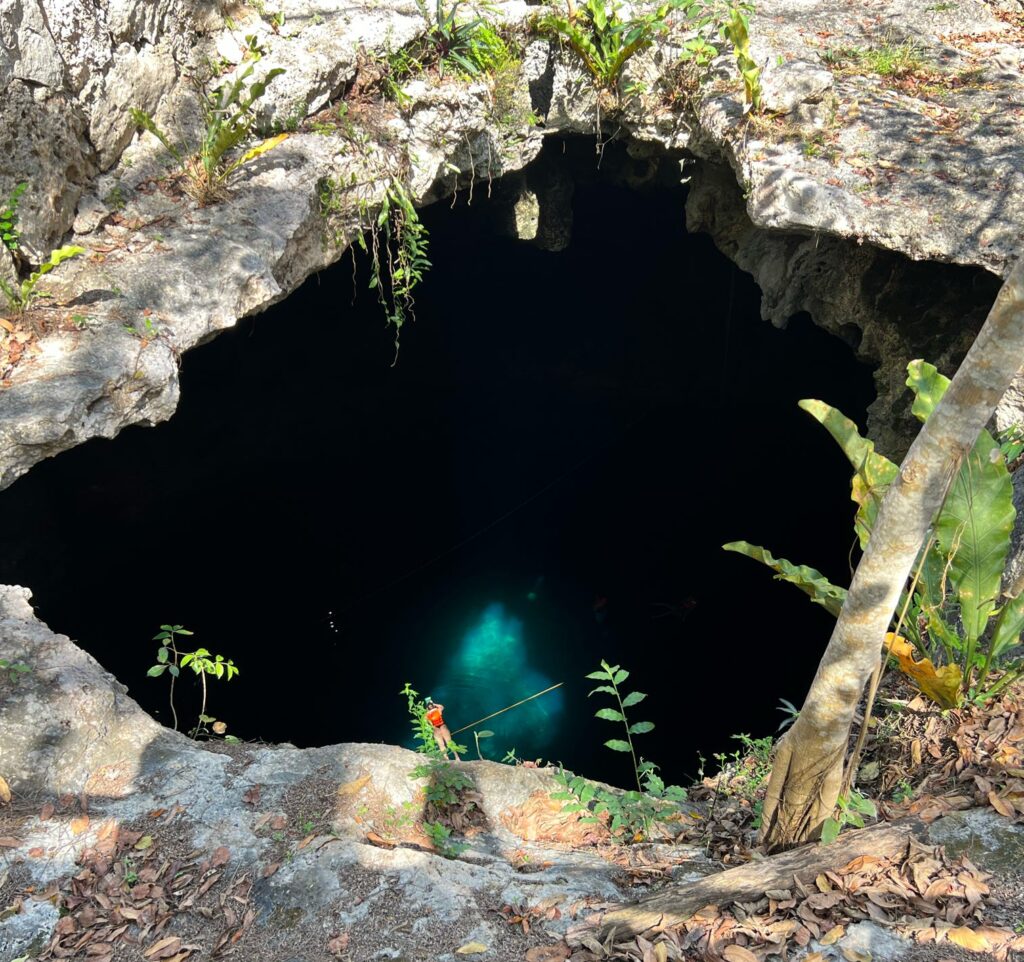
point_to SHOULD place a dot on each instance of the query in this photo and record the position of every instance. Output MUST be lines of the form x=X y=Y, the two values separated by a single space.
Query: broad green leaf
x=872 y=472
x=609 y=714
x=174 y=670
x=928 y=386
x=162 y=655
x=617 y=745
x=607 y=689
x=599 y=676
x=156 y=670
x=1009 y=625
x=829 y=831
x=640 y=728
x=809 y=580
x=973 y=528
x=620 y=676
x=633 y=698
x=485 y=734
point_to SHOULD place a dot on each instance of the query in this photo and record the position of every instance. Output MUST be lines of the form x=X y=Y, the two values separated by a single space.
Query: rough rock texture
x=854 y=177
x=69 y=729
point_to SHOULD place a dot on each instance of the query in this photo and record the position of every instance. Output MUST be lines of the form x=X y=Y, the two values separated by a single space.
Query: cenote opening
x=543 y=479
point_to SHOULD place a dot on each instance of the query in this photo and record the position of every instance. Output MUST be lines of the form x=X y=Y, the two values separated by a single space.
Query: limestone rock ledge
x=877 y=170
x=69 y=729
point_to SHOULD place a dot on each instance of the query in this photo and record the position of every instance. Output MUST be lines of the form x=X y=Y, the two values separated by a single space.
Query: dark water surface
x=544 y=479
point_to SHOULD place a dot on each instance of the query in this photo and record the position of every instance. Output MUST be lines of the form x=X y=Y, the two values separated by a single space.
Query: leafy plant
x=630 y=814
x=603 y=40
x=9 y=233
x=171 y=659
x=450 y=44
x=13 y=671
x=477 y=736
x=397 y=246
x=615 y=676
x=422 y=729
x=736 y=30
x=440 y=837
x=228 y=120
x=850 y=809
x=791 y=712
x=957 y=618
x=21 y=296
x=445 y=782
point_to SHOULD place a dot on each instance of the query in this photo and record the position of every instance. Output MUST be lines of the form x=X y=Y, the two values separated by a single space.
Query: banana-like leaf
x=269 y=144
x=941 y=685
x=809 y=580
x=873 y=472
x=973 y=528
x=1009 y=625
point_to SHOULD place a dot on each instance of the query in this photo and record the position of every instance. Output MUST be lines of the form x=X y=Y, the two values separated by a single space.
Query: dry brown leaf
x=5 y=791
x=79 y=824
x=7 y=841
x=270 y=869
x=220 y=856
x=1002 y=806
x=6 y=325
x=832 y=935
x=351 y=788
x=278 y=822
x=548 y=953
x=856 y=955
x=46 y=812
x=737 y=953
x=164 y=948
x=968 y=939
x=36 y=852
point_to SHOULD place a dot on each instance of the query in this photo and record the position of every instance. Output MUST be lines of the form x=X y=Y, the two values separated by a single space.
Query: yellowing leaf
x=856 y=955
x=1002 y=806
x=941 y=685
x=79 y=824
x=968 y=939
x=5 y=791
x=471 y=948
x=351 y=788
x=143 y=843
x=269 y=144
x=832 y=936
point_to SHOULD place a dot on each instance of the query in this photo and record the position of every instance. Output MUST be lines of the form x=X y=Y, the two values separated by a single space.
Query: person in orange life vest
x=442 y=735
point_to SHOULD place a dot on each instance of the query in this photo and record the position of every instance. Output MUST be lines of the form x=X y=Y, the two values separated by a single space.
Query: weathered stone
x=785 y=87
x=69 y=727
x=994 y=843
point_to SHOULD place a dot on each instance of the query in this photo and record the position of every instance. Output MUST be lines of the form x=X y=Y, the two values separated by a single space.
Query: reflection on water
x=489 y=670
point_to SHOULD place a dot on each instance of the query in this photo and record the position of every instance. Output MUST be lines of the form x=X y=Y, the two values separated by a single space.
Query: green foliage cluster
x=956 y=613
x=397 y=246
x=890 y=59
x=20 y=297
x=229 y=118
x=440 y=836
x=13 y=671
x=445 y=782
x=469 y=47
x=631 y=815
x=171 y=659
x=9 y=234
x=422 y=729
x=850 y=809
x=736 y=29
x=603 y=40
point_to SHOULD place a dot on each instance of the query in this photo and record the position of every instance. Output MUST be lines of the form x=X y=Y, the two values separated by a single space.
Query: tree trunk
x=808 y=769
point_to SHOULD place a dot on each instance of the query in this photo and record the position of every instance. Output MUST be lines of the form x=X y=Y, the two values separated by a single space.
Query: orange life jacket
x=434 y=717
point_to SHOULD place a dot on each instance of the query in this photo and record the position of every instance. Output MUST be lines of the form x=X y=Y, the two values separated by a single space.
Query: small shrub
x=21 y=296
x=630 y=814
x=228 y=120
x=440 y=837
x=170 y=659
x=13 y=671
x=850 y=809
x=9 y=234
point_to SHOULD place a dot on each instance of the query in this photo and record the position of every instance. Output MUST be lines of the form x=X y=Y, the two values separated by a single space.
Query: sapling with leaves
x=630 y=814
x=9 y=233
x=172 y=659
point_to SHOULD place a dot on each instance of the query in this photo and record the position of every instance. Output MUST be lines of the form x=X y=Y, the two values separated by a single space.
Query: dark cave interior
x=543 y=479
